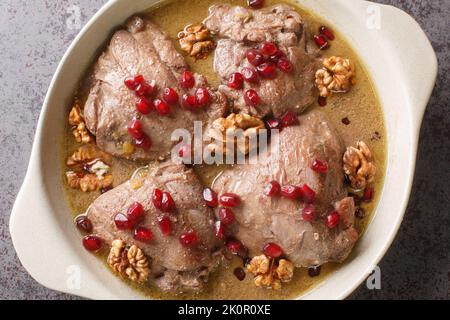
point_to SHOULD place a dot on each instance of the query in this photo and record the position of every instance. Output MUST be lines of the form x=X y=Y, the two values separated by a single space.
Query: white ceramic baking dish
x=401 y=61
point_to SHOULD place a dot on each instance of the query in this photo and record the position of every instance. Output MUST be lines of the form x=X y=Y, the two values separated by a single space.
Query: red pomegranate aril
x=267 y=70
x=189 y=102
x=236 y=81
x=272 y=189
x=219 y=230
x=255 y=4
x=170 y=96
x=291 y=192
x=239 y=273
x=269 y=49
x=122 y=222
x=139 y=79
x=130 y=83
x=319 y=166
x=289 y=119
x=167 y=203
x=165 y=225
x=226 y=216
x=187 y=80
x=144 y=142
x=332 y=220
x=327 y=32
x=285 y=65
x=314 y=271
x=308 y=194
x=161 y=107
x=276 y=57
x=273 y=123
x=135 y=129
x=143 y=234
x=250 y=75
x=135 y=212
x=92 y=243
x=251 y=98
x=255 y=57
x=157 y=198
x=210 y=197
x=143 y=105
x=188 y=239
x=145 y=89
x=309 y=213
x=185 y=151
x=321 y=42
x=234 y=246
x=83 y=223
x=272 y=250
x=368 y=194
x=229 y=200
x=202 y=97
x=322 y=101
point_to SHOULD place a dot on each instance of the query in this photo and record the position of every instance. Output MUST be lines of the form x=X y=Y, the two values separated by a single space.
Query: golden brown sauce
x=360 y=106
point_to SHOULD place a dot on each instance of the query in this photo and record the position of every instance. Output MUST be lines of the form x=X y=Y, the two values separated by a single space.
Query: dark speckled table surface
x=35 y=34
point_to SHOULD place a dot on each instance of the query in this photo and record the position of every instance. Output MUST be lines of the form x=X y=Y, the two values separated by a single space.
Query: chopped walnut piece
x=224 y=128
x=337 y=75
x=128 y=262
x=86 y=153
x=196 y=40
x=358 y=165
x=88 y=182
x=269 y=274
x=79 y=129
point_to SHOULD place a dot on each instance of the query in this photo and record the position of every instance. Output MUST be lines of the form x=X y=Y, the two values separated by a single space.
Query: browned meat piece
x=241 y=29
x=177 y=268
x=143 y=48
x=262 y=219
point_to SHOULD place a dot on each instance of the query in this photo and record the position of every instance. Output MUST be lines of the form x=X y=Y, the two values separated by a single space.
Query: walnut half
x=196 y=40
x=268 y=274
x=128 y=262
x=337 y=75
x=79 y=129
x=88 y=182
x=358 y=165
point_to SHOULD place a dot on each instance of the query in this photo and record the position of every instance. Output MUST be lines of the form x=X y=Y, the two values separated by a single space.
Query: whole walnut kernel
x=359 y=166
x=86 y=153
x=196 y=40
x=88 y=182
x=79 y=129
x=337 y=75
x=128 y=262
x=270 y=274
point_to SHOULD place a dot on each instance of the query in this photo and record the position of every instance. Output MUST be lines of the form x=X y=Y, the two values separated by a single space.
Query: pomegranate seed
x=139 y=79
x=273 y=123
x=135 y=213
x=236 y=81
x=291 y=192
x=187 y=80
x=332 y=220
x=92 y=243
x=135 y=128
x=130 y=83
x=314 y=271
x=255 y=57
x=321 y=42
x=143 y=105
x=202 y=97
x=167 y=203
x=251 y=98
x=327 y=32
x=145 y=89
x=190 y=102
x=285 y=65
x=189 y=238
x=83 y=223
x=143 y=234
x=276 y=57
x=235 y=246
x=309 y=213
x=272 y=250
x=319 y=166
x=185 y=151
x=267 y=70
x=272 y=189
x=165 y=225
x=289 y=119
x=226 y=216
x=219 y=230
x=122 y=222
x=360 y=213
x=250 y=75
x=229 y=200
x=157 y=198
x=161 y=107
x=210 y=197
x=239 y=273
x=269 y=49
x=368 y=194
x=170 y=96
x=144 y=142
x=308 y=194
x=322 y=101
